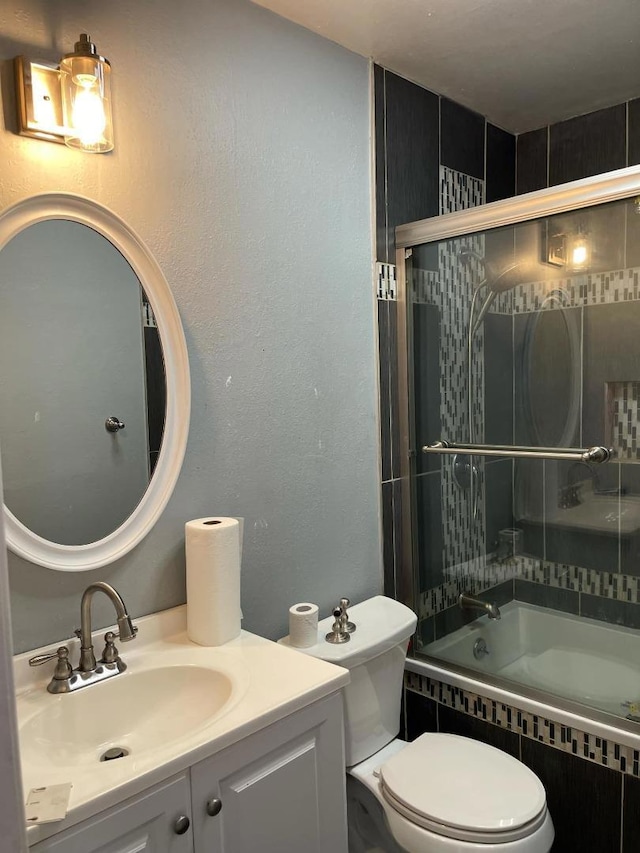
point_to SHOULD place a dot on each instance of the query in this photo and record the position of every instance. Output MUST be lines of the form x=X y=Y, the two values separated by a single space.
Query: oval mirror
x=94 y=383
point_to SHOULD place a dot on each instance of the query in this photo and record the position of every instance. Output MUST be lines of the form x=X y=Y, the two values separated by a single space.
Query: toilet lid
x=463 y=784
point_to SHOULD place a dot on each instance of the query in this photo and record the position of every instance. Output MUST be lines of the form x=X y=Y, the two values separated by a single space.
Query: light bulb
x=87 y=116
x=580 y=253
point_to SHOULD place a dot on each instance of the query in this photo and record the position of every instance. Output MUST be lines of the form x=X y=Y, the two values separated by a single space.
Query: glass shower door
x=523 y=344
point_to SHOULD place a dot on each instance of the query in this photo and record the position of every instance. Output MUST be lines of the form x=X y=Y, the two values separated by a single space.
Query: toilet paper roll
x=212 y=547
x=303 y=625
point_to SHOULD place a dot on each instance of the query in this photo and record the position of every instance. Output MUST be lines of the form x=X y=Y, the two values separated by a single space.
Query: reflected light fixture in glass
x=580 y=257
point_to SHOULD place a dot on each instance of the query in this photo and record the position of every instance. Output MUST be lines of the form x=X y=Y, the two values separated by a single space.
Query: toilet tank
x=375 y=657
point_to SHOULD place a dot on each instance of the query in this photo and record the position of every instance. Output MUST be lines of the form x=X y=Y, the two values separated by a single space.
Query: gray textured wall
x=242 y=160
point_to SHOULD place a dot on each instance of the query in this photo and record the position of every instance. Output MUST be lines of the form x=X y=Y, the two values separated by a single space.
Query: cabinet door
x=143 y=824
x=282 y=789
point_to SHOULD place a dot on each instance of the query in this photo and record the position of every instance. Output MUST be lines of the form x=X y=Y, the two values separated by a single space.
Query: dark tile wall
x=498 y=379
x=631 y=814
x=156 y=392
x=634 y=132
x=501 y=164
x=579 y=147
x=532 y=161
x=585 y=800
x=498 y=499
x=593 y=807
x=416 y=132
x=407 y=120
x=462 y=138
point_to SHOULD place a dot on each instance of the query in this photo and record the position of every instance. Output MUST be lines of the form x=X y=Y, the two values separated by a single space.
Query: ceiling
x=521 y=63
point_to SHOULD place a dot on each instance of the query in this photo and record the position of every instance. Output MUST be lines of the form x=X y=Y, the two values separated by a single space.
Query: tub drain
x=114 y=752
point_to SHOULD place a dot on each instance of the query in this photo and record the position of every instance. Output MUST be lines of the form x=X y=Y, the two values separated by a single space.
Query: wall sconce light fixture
x=556 y=250
x=70 y=103
x=566 y=248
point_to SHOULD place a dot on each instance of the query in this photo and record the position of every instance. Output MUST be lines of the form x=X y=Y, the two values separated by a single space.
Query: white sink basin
x=134 y=711
x=176 y=704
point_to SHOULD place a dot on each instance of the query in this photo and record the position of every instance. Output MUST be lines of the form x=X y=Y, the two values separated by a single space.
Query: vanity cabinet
x=280 y=789
x=144 y=824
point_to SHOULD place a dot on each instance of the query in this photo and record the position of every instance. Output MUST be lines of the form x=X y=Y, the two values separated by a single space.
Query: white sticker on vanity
x=48 y=804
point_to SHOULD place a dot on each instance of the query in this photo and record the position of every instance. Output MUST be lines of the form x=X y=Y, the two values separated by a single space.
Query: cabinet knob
x=181 y=825
x=214 y=806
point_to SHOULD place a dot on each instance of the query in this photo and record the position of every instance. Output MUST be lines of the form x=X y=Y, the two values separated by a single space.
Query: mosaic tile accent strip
x=459 y=191
x=577 y=291
x=474 y=577
x=458 y=274
x=623 y=405
x=148 y=318
x=591 y=581
x=602 y=751
x=425 y=287
x=480 y=574
x=386 y=282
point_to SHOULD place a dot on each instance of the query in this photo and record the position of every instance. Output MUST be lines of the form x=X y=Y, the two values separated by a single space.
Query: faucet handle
x=63 y=668
x=60 y=653
x=110 y=653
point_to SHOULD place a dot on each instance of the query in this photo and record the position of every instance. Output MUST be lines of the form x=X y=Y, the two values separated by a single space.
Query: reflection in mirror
x=78 y=345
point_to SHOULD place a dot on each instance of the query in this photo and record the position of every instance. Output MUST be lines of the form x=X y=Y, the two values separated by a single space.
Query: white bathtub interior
x=580 y=659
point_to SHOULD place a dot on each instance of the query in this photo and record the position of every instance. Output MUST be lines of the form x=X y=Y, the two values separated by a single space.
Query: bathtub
x=575 y=670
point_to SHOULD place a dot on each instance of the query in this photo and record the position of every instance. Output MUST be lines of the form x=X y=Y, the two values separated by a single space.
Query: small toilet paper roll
x=303 y=625
x=212 y=547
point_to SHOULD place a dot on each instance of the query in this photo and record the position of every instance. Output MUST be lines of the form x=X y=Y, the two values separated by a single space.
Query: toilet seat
x=463 y=789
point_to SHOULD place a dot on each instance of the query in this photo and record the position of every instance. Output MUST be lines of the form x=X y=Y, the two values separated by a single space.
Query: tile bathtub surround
x=430 y=158
x=475 y=577
x=603 y=288
x=453 y=618
x=458 y=280
x=623 y=399
x=585 y=800
x=607 y=596
x=582 y=744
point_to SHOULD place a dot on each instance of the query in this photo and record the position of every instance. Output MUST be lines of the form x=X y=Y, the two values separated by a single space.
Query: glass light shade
x=580 y=253
x=85 y=81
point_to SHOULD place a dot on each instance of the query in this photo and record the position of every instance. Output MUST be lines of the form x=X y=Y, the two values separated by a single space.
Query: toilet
x=439 y=794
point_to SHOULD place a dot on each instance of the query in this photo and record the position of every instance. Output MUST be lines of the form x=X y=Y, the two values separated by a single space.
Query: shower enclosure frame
x=587 y=192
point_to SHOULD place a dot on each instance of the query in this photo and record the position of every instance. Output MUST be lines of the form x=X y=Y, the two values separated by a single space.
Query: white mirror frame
x=80 y=558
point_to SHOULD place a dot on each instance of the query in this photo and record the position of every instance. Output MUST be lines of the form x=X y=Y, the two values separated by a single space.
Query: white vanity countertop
x=270 y=682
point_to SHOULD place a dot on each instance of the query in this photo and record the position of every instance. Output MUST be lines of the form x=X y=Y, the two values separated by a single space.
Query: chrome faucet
x=125 y=627
x=470 y=602
x=89 y=671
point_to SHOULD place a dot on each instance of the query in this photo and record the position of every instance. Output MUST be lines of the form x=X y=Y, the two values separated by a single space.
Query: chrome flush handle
x=337 y=634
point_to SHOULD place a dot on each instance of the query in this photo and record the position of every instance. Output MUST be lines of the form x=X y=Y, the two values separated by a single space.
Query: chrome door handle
x=113 y=424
